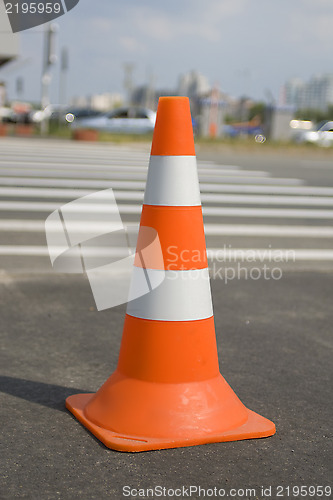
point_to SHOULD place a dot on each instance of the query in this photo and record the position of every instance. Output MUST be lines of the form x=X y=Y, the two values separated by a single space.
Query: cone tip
x=173 y=133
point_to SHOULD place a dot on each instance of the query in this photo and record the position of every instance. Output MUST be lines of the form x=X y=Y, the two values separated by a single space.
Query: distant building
x=193 y=84
x=106 y=101
x=146 y=96
x=292 y=93
x=101 y=102
x=317 y=93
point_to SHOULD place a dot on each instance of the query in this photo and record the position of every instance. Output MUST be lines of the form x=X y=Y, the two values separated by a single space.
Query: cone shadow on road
x=49 y=395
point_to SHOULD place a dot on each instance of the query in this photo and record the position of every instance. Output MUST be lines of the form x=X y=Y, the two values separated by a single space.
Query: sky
x=246 y=47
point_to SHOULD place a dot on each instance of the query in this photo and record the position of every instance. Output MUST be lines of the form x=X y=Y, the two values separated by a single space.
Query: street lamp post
x=49 y=58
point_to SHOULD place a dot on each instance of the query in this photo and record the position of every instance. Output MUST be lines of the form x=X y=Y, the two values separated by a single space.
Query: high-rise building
x=193 y=84
x=317 y=93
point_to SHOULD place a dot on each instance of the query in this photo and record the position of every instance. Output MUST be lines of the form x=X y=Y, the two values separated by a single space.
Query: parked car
x=7 y=115
x=322 y=135
x=51 y=112
x=126 y=120
x=80 y=113
x=10 y=115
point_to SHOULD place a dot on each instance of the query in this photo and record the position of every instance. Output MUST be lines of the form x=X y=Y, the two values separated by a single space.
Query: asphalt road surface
x=269 y=232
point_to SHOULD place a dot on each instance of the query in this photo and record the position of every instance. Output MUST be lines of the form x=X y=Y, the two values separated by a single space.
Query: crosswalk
x=246 y=212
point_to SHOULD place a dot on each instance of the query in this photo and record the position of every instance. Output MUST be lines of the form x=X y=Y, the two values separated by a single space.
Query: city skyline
x=245 y=49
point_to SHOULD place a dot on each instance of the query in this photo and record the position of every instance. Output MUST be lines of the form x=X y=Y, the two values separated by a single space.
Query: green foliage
x=258 y=109
x=228 y=119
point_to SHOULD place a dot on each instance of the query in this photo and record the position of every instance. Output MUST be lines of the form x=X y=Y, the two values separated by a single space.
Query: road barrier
x=167 y=390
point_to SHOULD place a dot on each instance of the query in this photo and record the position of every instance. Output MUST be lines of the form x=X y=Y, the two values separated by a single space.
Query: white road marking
x=291 y=190
x=268 y=212
x=38 y=150
x=24 y=225
x=208 y=211
x=121 y=165
x=76 y=183
x=57 y=166
x=42 y=251
x=275 y=255
x=20 y=192
x=142 y=176
x=36 y=206
x=94 y=170
x=263 y=230
x=267 y=200
x=219 y=188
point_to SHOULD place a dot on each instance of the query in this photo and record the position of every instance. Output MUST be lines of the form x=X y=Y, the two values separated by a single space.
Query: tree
x=257 y=110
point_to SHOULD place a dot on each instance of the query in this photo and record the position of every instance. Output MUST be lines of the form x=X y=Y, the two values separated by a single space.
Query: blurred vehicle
x=79 y=113
x=7 y=115
x=19 y=112
x=51 y=112
x=63 y=114
x=244 y=130
x=126 y=120
x=298 y=127
x=322 y=135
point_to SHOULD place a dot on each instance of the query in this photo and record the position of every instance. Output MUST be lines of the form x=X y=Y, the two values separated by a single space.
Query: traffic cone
x=167 y=390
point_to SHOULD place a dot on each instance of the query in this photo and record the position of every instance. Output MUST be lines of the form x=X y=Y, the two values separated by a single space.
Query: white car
x=321 y=135
x=126 y=120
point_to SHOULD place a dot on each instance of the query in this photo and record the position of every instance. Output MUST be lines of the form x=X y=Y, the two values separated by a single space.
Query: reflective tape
x=172 y=180
x=179 y=296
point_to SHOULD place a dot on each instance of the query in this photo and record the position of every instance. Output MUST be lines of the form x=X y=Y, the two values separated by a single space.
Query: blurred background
x=262 y=70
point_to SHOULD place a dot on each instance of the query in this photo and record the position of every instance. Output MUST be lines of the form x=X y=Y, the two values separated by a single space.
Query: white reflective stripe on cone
x=174 y=295
x=172 y=180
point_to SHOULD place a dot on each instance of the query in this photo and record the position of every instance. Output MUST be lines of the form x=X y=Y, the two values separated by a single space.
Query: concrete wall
x=277 y=123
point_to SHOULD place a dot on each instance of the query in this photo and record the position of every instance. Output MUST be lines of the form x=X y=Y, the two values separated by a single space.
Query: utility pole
x=128 y=81
x=150 y=91
x=19 y=87
x=64 y=63
x=49 y=58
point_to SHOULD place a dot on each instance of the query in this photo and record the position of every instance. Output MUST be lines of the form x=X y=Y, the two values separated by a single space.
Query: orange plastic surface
x=167 y=392
x=173 y=133
x=168 y=351
x=181 y=234
x=131 y=415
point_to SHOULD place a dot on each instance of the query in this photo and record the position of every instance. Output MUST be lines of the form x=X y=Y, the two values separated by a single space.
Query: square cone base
x=256 y=426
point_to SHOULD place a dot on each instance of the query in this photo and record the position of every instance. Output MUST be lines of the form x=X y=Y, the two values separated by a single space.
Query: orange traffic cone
x=167 y=390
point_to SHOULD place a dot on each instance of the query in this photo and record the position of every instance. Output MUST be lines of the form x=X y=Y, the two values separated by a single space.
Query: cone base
x=256 y=426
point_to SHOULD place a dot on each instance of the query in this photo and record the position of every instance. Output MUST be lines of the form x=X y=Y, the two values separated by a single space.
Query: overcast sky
x=246 y=46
